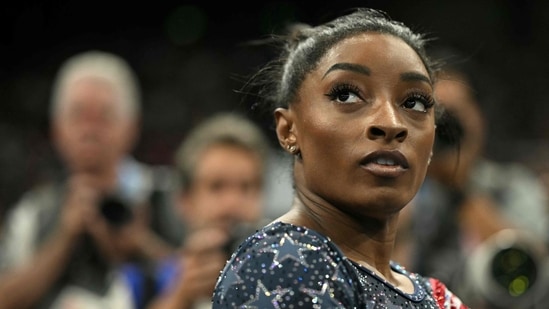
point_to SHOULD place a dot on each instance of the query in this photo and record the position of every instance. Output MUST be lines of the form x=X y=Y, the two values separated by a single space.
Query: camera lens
x=514 y=270
x=115 y=211
x=508 y=270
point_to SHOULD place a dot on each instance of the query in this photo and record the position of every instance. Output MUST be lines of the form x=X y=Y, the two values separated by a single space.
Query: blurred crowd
x=100 y=228
x=109 y=231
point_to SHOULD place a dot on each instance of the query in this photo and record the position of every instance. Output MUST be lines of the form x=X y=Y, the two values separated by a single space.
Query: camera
x=115 y=210
x=508 y=270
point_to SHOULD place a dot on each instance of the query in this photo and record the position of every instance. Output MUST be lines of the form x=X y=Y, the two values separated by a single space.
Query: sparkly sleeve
x=286 y=267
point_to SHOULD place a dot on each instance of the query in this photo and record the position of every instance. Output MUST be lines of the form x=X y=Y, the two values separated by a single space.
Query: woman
x=352 y=102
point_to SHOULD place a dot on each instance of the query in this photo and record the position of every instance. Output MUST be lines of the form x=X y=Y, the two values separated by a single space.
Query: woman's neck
x=365 y=240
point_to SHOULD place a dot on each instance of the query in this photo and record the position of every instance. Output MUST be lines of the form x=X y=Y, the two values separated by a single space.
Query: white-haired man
x=65 y=243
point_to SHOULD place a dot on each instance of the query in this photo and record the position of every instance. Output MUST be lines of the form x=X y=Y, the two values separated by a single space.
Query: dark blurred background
x=189 y=58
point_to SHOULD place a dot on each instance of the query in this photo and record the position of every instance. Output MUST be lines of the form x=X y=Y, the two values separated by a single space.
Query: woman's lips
x=384 y=171
x=386 y=164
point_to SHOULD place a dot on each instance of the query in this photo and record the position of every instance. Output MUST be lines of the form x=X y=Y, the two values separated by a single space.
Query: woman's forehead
x=374 y=50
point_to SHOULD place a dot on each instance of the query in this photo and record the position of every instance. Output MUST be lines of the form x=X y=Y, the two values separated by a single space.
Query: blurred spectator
x=468 y=202
x=222 y=165
x=65 y=242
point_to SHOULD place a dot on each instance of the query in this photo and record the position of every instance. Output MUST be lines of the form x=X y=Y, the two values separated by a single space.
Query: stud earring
x=292 y=148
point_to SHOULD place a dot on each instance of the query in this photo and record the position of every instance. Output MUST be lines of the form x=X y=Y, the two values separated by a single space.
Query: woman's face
x=364 y=125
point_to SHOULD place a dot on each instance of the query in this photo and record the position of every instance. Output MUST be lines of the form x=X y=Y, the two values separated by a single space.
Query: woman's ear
x=285 y=129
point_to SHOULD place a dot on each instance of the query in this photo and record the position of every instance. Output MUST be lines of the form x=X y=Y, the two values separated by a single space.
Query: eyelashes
x=425 y=101
x=344 y=93
x=415 y=99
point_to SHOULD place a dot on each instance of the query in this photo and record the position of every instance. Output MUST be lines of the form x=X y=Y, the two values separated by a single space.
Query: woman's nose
x=386 y=124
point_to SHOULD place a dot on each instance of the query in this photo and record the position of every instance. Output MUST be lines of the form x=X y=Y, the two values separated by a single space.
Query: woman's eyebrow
x=415 y=77
x=361 y=69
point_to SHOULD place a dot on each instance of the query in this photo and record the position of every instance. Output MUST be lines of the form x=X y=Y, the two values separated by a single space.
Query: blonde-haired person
x=66 y=241
x=221 y=166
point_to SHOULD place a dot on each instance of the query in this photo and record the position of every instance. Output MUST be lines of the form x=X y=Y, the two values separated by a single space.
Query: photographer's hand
x=136 y=239
x=79 y=206
x=81 y=215
x=202 y=259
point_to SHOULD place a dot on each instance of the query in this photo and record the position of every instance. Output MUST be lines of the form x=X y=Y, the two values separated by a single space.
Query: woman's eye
x=344 y=94
x=420 y=103
x=348 y=97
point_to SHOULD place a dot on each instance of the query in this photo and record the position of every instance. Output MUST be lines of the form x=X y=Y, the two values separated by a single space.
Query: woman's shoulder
x=278 y=237
x=278 y=229
x=285 y=263
x=284 y=243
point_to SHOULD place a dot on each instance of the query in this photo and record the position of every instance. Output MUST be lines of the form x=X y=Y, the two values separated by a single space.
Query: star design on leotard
x=338 y=275
x=232 y=277
x=264 y=298
x=287 y=248
x=343 y=281
x=323 y=298
x=329 y=259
